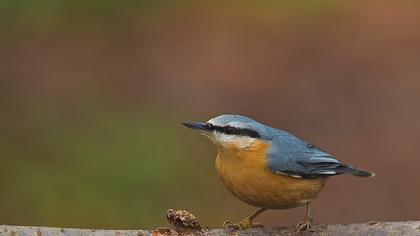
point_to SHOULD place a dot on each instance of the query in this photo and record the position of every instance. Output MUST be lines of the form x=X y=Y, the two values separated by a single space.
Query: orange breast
x=244 y=172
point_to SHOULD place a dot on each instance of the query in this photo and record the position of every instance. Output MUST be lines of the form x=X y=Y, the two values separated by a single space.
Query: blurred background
x=92 y=94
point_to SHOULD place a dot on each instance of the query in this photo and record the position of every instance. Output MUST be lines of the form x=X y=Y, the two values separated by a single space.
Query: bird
x=269 y=168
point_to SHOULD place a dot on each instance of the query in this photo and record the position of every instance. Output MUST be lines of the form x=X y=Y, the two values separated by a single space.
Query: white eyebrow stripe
x=240 y=125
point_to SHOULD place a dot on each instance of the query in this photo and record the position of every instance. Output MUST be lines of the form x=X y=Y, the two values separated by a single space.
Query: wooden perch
x=372 y=228
x=185 y=223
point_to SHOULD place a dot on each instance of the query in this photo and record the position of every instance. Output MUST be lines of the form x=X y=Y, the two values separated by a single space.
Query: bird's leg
x=245 y=223
x=307 y=222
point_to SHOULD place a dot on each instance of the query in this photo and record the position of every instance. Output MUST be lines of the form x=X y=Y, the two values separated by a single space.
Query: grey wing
x=291 y=156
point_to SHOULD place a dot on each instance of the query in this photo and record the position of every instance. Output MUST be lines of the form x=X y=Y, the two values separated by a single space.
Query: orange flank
x=244 y=172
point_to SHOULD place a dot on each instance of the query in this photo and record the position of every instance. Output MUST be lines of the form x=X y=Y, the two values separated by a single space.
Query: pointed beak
x=199 y=126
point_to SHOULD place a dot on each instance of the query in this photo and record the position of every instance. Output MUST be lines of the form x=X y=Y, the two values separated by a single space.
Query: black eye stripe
x=232 y=130
x=209 y=126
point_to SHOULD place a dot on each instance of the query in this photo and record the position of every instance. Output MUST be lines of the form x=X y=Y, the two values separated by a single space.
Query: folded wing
x=293 y=157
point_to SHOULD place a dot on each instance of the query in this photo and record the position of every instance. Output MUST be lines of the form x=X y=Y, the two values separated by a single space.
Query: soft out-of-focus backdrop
x=92 y=94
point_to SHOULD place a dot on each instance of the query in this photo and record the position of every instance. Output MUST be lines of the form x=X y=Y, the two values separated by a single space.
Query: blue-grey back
x=293 y=156
x=288 y=154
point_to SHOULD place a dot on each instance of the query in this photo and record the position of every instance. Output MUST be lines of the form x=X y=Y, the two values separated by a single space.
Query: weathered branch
x=371 y=228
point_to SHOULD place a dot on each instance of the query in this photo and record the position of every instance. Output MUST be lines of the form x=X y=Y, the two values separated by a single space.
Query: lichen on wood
x=184 y=223
x=371 y=228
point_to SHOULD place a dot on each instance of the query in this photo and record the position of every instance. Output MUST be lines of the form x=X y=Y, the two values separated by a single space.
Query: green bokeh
x=97 y=161
x=94 y=167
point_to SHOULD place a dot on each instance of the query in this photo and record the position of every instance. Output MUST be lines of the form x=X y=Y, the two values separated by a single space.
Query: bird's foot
x=244 y=224
x=304 y=225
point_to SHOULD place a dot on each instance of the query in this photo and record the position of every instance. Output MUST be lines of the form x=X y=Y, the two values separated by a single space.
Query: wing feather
x=293 y=157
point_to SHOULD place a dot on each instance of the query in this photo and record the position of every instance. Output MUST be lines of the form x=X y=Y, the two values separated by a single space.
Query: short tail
x=359 y=172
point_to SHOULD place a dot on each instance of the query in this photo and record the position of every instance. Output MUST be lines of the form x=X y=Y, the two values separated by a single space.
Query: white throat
x=227 y=141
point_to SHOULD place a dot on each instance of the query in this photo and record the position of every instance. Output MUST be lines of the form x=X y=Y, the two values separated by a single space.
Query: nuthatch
x=269 y=168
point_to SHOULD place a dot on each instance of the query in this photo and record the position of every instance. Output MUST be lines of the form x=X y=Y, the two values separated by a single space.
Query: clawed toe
x=245 y=224
x=230 y=225
x=307 y=223
x=302 y=226
x=257 y=225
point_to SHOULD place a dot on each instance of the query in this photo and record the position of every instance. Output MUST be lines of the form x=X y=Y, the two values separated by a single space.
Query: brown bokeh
x=345 y=77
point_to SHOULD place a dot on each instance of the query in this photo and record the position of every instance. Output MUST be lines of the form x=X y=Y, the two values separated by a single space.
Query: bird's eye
x=229 y=129
x=209 y=126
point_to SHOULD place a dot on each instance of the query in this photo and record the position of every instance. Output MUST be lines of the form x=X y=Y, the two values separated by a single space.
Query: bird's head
x=230 y=131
